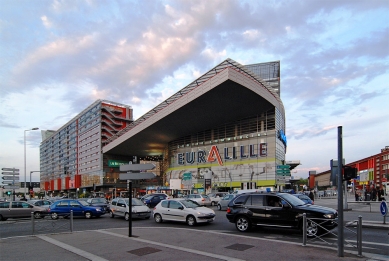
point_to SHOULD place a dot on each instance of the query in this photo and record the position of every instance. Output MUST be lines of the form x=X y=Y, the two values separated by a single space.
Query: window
x=62 y=204
x=164 y=204
x=4 y=205
x=256 y=200
x=113 y=202
x=241 y=200
x=175 y=205
x=74 y=203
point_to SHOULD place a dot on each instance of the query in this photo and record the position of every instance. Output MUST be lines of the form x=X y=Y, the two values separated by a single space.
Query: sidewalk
x=162 y=244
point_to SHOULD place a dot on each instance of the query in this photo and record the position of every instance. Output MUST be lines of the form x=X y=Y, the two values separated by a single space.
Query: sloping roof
x=226 y=93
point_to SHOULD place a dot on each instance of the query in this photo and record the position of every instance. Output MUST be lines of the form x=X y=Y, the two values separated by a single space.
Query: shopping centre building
x=224 y=129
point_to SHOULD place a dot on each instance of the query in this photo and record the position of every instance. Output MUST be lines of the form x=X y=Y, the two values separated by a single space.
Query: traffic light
x=8 y=193
x=349 y=173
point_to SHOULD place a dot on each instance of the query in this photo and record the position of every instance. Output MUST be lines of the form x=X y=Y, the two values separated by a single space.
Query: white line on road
x=70 y=248
x=173 y=247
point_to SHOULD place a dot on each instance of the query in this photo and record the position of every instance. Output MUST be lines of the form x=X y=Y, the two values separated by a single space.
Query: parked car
x=183 y=210
x=166 y=196
x=304 y=198
x=40 y=203
x=153 y=199
x=120 y=207
x=19 y=209
x=223 y=203
x=279 y=210
x=99 y=202
x=201 y=199
x=80 y=208
x=216 y=197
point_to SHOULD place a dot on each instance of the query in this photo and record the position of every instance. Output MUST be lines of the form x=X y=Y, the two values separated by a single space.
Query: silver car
x=120 y=207
x=19 y=209
x=223 y=203
x=202 y=200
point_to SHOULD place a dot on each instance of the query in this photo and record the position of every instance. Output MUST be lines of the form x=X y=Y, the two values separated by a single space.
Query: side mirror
x=181 y=208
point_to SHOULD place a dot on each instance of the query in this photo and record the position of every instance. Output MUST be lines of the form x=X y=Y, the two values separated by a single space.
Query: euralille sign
x=201 y=156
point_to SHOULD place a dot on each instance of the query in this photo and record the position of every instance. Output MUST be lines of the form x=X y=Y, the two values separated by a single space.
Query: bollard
x=33 y=222
x=71 y=221
x=304 y=229
x=359 y=236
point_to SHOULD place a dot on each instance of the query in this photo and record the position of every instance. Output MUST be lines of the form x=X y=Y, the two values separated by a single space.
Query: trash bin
x=367 y=197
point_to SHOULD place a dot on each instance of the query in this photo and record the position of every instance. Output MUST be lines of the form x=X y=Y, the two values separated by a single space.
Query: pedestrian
x=356 y=196
x=311 y=195
x=381 y=194
x=373 y=194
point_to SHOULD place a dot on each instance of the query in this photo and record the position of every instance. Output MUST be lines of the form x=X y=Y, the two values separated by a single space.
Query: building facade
x=71 y=157
x=373 y=171
x=224 y=129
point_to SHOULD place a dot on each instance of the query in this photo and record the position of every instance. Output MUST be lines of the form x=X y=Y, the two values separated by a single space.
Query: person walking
x=311 y=195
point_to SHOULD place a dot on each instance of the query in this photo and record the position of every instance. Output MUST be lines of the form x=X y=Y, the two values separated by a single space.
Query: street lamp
x=25 y=170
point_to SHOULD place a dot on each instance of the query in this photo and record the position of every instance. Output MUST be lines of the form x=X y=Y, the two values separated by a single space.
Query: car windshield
x=189 y=203
x=134 y=202
x=294 y=201
x=99 y=200
x=84 y=203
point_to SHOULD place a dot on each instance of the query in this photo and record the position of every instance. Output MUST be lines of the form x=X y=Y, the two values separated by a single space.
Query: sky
x=58 y=57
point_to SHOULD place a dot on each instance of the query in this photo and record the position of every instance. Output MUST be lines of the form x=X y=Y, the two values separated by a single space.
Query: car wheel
x=126 y=216
x=111 y=215
x=88 y=214
x=242 y=224
x=158 y=218
x=219 y=207
x=312 y=229
x=3 y=218
x=54 y=215
x=191 y=220
x=37 y=215
x=213 y=204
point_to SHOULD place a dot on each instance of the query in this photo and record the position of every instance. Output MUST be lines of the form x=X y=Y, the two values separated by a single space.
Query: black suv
x=278 y=210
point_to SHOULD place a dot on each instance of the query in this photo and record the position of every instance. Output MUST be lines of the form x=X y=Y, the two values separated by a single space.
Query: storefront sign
x=200 y=156
x=116 y=163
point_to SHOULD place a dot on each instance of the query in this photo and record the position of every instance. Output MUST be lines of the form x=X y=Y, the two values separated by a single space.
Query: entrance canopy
x=225 y=94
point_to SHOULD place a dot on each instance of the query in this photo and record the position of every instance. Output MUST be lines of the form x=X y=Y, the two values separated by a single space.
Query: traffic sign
x=10 y=169
x=280 y=180
x=11 y=187
x=133 y=176
x=137 y=167
x=283 y=166
x=10 y=182
x=283 y=170
x=10 y=177
x=384 y=208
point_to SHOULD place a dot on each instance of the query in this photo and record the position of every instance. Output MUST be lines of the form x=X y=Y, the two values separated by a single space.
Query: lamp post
x=25 y=168
x=31 y=173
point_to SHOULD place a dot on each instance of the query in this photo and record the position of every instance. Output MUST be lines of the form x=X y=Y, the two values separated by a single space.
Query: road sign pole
x=129 y=187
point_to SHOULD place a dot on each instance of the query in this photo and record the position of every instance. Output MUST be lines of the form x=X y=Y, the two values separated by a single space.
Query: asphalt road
x=375 y=241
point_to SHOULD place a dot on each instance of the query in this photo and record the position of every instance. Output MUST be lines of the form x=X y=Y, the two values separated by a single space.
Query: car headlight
x=329 y=216
x=98 y=209
x=134 y=211
x=202 y=214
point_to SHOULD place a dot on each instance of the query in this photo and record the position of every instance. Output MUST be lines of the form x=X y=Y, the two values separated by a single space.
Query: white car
x=216 y=197
x=223 y=203
x=120 y=207
x=183 y=210
x=201 y=199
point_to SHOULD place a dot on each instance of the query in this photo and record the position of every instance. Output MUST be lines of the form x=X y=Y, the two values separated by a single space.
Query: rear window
x=255 y=200
x=241 y=200
x=4 y=205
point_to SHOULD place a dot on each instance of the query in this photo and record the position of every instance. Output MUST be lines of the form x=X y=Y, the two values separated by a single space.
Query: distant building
x=372 y=171
x=71 y=157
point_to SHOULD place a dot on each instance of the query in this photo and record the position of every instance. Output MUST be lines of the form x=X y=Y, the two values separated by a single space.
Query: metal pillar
x=340 y=194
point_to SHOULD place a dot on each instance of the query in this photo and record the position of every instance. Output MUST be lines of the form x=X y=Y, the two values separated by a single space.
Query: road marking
x=173 y=247
x=70 y=248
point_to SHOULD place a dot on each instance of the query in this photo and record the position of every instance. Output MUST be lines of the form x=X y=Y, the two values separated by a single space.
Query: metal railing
x=318 y=223
x=48 y=225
